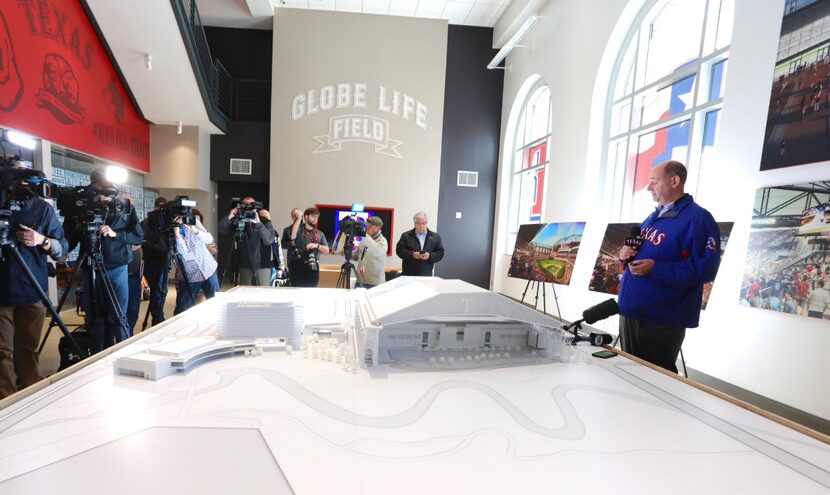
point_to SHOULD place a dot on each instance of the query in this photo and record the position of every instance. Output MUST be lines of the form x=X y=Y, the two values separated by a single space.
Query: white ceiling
x=135 y=28
x=253 y=13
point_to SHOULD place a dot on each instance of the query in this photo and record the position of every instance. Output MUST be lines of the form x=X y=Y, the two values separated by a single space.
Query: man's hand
x=416 y=255
x=627 y=252
x=361 y=270
x=425 y=256
x=29 y=237
x=256 y=217
x=232 y=213
x=641 y=267
x=106 y=230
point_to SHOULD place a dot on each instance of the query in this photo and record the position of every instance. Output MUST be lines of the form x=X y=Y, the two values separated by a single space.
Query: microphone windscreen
x=600 y=311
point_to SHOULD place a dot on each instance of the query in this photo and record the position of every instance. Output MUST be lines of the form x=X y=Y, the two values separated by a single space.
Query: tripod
x=240 y=237
x=173 y=256
x=537 y=285
x=6 y=247
x=344 y=280
x=95 y=277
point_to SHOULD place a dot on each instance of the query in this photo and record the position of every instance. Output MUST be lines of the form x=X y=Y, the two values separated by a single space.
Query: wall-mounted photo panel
x=788 y=259
x=799 y=105
x=546 y=252
x=608 y=270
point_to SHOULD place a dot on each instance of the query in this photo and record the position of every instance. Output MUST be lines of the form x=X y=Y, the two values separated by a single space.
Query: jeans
x=154 y=273
x=134 y=283
x=107 y=330
x=186 y=296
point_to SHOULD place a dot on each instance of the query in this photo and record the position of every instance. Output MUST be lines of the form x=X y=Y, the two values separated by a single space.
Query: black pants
x=657 y=344
x=154 y=273
x=301 y=276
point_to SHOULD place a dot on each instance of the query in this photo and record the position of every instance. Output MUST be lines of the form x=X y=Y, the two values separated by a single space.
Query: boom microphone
x=591 y=315
x=601 y=311
x=633 y=240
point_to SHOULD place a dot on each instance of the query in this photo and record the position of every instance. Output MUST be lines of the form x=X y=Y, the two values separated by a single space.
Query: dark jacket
x=15 y=288
x=154 y=247
x=117 y=251
x=258 y=245
x=409 y=243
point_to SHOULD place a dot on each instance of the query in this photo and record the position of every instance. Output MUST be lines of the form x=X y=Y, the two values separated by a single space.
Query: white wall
x=404 y=54
x=776 y=355
x=180 y=161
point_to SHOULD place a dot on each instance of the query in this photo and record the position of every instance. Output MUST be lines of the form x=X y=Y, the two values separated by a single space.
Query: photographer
x=259 y=234
x=38 y=233
x=285 y=240
x=308 y=242
x=197 y=263
x=369 y=254
x=154 y=250
x=120 y=230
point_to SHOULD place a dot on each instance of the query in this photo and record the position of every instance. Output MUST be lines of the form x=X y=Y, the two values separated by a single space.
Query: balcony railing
x=214 y=80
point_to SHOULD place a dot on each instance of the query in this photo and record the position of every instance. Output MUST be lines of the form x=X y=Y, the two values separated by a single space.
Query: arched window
x=665 y=97
x=529 y=162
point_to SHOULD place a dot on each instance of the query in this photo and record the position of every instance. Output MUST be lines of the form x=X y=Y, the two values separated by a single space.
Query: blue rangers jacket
x=685 y=246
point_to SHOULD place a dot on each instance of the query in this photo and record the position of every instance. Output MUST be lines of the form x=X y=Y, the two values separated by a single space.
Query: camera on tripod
x=87 y=206
x=245 y=212
x=352 y=226
x=181 y=207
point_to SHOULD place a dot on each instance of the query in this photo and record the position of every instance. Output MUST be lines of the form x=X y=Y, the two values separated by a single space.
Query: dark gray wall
x=245 y=139
x=472 y=124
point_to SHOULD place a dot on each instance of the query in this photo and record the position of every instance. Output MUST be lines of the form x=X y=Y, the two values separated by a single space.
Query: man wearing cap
x=370 y=254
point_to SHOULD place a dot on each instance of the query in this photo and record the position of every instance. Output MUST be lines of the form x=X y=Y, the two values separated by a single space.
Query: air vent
x=467 y=178
x=240 y=166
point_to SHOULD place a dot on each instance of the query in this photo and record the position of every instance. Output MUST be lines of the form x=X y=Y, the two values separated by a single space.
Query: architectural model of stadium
x=410 y=319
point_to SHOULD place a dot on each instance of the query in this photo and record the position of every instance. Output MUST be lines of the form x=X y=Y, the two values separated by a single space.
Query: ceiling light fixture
x=179 y=127
x=512 y=42
x=148 y=61
x=21 y=140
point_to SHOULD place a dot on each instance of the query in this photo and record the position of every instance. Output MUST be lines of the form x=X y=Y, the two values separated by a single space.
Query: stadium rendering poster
x=546 y=252
x=799 y=105
x=787 y=265
x=608 y=270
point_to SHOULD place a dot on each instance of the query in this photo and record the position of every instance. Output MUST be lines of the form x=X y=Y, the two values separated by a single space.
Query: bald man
x=662 y=285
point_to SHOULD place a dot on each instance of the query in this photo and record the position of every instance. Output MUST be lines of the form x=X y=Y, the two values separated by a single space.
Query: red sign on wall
x=57 y=83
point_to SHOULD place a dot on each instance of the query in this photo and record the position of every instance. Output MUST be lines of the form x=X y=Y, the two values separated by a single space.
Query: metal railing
x=215 y=82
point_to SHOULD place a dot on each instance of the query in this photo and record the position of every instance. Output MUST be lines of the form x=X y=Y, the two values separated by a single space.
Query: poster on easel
x=546 y=252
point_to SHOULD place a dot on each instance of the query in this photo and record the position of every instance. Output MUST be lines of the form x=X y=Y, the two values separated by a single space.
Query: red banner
x=57 y=83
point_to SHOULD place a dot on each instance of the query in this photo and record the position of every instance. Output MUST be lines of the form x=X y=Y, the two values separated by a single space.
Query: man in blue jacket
x=37 y=233
x=662 y=288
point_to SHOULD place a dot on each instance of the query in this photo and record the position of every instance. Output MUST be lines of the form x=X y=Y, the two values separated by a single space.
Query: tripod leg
x=61 y=303
x=525 y=291
x=544 y=300
x=111 y=300
x=44 y=298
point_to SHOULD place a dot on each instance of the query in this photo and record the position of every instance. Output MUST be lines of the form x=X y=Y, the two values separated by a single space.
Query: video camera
x=245 y=212
x=87 y=206
x=181 y=207
x=352 y=226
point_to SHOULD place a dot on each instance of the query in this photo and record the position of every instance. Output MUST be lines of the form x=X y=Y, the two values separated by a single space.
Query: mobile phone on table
x=604 y=354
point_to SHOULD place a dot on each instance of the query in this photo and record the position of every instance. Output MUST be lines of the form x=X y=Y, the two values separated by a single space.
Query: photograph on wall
x=798 y=117
x=546 y=252
x=608 y=270
x=787 y=265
